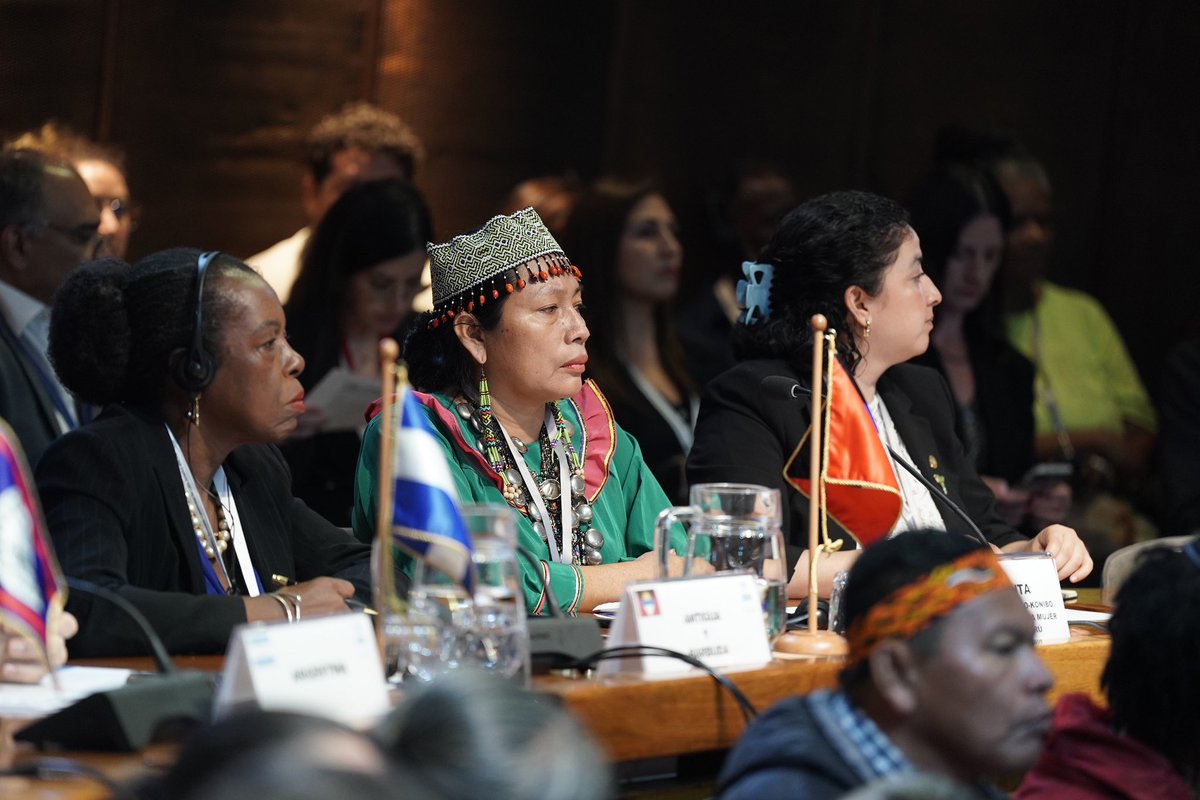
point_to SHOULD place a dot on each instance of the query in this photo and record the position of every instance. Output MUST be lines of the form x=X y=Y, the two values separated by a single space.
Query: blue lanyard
x=212 y=584
x=49 y=384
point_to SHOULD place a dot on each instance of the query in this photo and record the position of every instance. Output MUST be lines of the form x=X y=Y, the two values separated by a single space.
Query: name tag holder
x=717 y=619
x=1036 y=579
x=327 y=666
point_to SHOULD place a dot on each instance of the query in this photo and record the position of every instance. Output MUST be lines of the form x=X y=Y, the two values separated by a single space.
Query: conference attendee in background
x=961 y=218
x=359 y=142
x=49 y=225
x=854 y=258
x=361 y=271
x=743 y=213
x=102 y=167
x=626 y=237
x=942 y=677
x=1146 y=744
x=551 y=196
x=174 y=497
x=503 y=353
x=1090 y=405
x=469 y=735
x=1179 y=445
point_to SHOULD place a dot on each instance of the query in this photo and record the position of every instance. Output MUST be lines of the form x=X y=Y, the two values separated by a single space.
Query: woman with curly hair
x=853 y=257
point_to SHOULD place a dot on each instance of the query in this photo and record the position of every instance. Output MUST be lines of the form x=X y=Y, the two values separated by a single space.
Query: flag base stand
x=813 y=644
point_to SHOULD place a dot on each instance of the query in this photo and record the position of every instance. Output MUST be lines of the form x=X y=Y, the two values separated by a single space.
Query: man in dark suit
x=49 y=225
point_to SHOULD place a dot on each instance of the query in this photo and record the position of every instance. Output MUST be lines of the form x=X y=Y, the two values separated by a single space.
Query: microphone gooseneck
x=938 y=494
x=161 y=659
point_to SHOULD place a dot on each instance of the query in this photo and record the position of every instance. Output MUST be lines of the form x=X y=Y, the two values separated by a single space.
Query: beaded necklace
x=541 y=498
x=214 y=549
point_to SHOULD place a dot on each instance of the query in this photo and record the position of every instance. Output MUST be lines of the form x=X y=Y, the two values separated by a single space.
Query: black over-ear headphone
x=194 y=372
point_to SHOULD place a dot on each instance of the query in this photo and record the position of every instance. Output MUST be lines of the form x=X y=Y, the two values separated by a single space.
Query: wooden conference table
x=631 y=718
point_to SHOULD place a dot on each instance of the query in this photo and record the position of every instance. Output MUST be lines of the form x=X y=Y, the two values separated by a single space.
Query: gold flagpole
x=385 y=582
x=814 y=642
x=816 y=506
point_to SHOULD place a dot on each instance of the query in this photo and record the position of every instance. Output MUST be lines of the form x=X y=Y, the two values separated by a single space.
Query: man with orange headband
x=942 y=677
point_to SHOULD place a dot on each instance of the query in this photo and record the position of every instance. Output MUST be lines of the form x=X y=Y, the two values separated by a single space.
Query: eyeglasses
x=86 y=235
x=119 y=208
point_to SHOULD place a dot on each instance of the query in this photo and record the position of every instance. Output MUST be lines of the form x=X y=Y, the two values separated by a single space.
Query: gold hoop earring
x=193 y=412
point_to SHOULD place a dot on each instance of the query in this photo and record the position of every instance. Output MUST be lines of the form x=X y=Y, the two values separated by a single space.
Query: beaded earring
x=867 y=330
x=193 y=412
x=513 y=493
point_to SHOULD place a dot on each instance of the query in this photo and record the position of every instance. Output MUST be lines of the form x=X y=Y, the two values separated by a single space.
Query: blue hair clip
x=1192 y=551
x=754 y=293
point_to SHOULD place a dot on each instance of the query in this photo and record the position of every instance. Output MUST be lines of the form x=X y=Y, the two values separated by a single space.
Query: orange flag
x=860 y=488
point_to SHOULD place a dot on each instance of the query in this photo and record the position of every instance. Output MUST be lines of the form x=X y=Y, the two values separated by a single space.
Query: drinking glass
x=498 y=639
x=738 y=499
x=734 y=528
x=445 y=627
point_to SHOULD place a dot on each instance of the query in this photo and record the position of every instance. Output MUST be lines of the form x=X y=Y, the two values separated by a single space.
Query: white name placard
x=1036 y=580
x=717 y=619
x=327 y=666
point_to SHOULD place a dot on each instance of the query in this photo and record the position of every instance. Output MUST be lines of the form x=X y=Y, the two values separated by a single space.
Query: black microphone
x=786 y=387
x=783 y=386
x=131 y=716
x=558 y=641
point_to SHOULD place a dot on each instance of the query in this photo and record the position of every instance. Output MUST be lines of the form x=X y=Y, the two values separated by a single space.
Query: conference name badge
x=1036 y=581
x=327 y=666
x=717 y=619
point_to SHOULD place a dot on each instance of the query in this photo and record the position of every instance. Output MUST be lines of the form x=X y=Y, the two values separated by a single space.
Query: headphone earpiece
x=194 y=370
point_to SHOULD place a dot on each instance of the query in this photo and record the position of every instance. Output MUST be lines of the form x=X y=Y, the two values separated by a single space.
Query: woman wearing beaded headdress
x=504 y=352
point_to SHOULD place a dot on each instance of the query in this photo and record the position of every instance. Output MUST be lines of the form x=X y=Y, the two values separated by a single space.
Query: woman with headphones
x=175 y=497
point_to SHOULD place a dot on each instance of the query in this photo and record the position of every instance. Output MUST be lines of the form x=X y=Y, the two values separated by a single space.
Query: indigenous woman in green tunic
x=503 y=355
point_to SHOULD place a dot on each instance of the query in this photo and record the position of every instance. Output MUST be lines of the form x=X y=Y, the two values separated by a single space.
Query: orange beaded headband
x=914 y=607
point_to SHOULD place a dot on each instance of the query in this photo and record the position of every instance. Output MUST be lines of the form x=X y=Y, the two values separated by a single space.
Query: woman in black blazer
x=853 y=257
x=961 y=217
x=175 y=496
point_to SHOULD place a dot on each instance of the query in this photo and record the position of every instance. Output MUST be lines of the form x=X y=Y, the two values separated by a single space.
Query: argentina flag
x=425 y=516
x=29 y=574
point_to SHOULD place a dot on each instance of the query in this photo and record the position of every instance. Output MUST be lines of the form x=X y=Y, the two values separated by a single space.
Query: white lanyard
x=535 y=493
x=680 y=426
x=225 y=498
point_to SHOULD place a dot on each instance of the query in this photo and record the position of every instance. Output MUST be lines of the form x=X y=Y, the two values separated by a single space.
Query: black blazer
x=24 y=402
x=115 y=506
x=1004 y=403
x=747 y=431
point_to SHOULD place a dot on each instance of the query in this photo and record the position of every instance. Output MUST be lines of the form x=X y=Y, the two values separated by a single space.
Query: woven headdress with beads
x=502 y=257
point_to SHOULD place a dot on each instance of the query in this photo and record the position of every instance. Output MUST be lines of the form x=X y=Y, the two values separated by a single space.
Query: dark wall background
x=212 y=99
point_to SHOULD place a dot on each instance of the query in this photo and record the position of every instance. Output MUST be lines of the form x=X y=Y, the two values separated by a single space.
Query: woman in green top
x=504 y=355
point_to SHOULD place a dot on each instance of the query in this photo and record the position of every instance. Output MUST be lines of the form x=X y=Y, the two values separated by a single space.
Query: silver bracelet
x=295 y=598
x=287 y=607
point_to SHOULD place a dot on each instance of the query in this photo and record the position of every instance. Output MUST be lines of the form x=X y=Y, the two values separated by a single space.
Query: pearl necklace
x=221 y=536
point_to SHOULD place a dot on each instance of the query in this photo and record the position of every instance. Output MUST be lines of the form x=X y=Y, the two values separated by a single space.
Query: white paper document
x=342 y=397
x=18 y=701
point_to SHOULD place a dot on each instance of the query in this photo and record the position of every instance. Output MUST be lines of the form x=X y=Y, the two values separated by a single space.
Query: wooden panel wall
x=212 y=100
